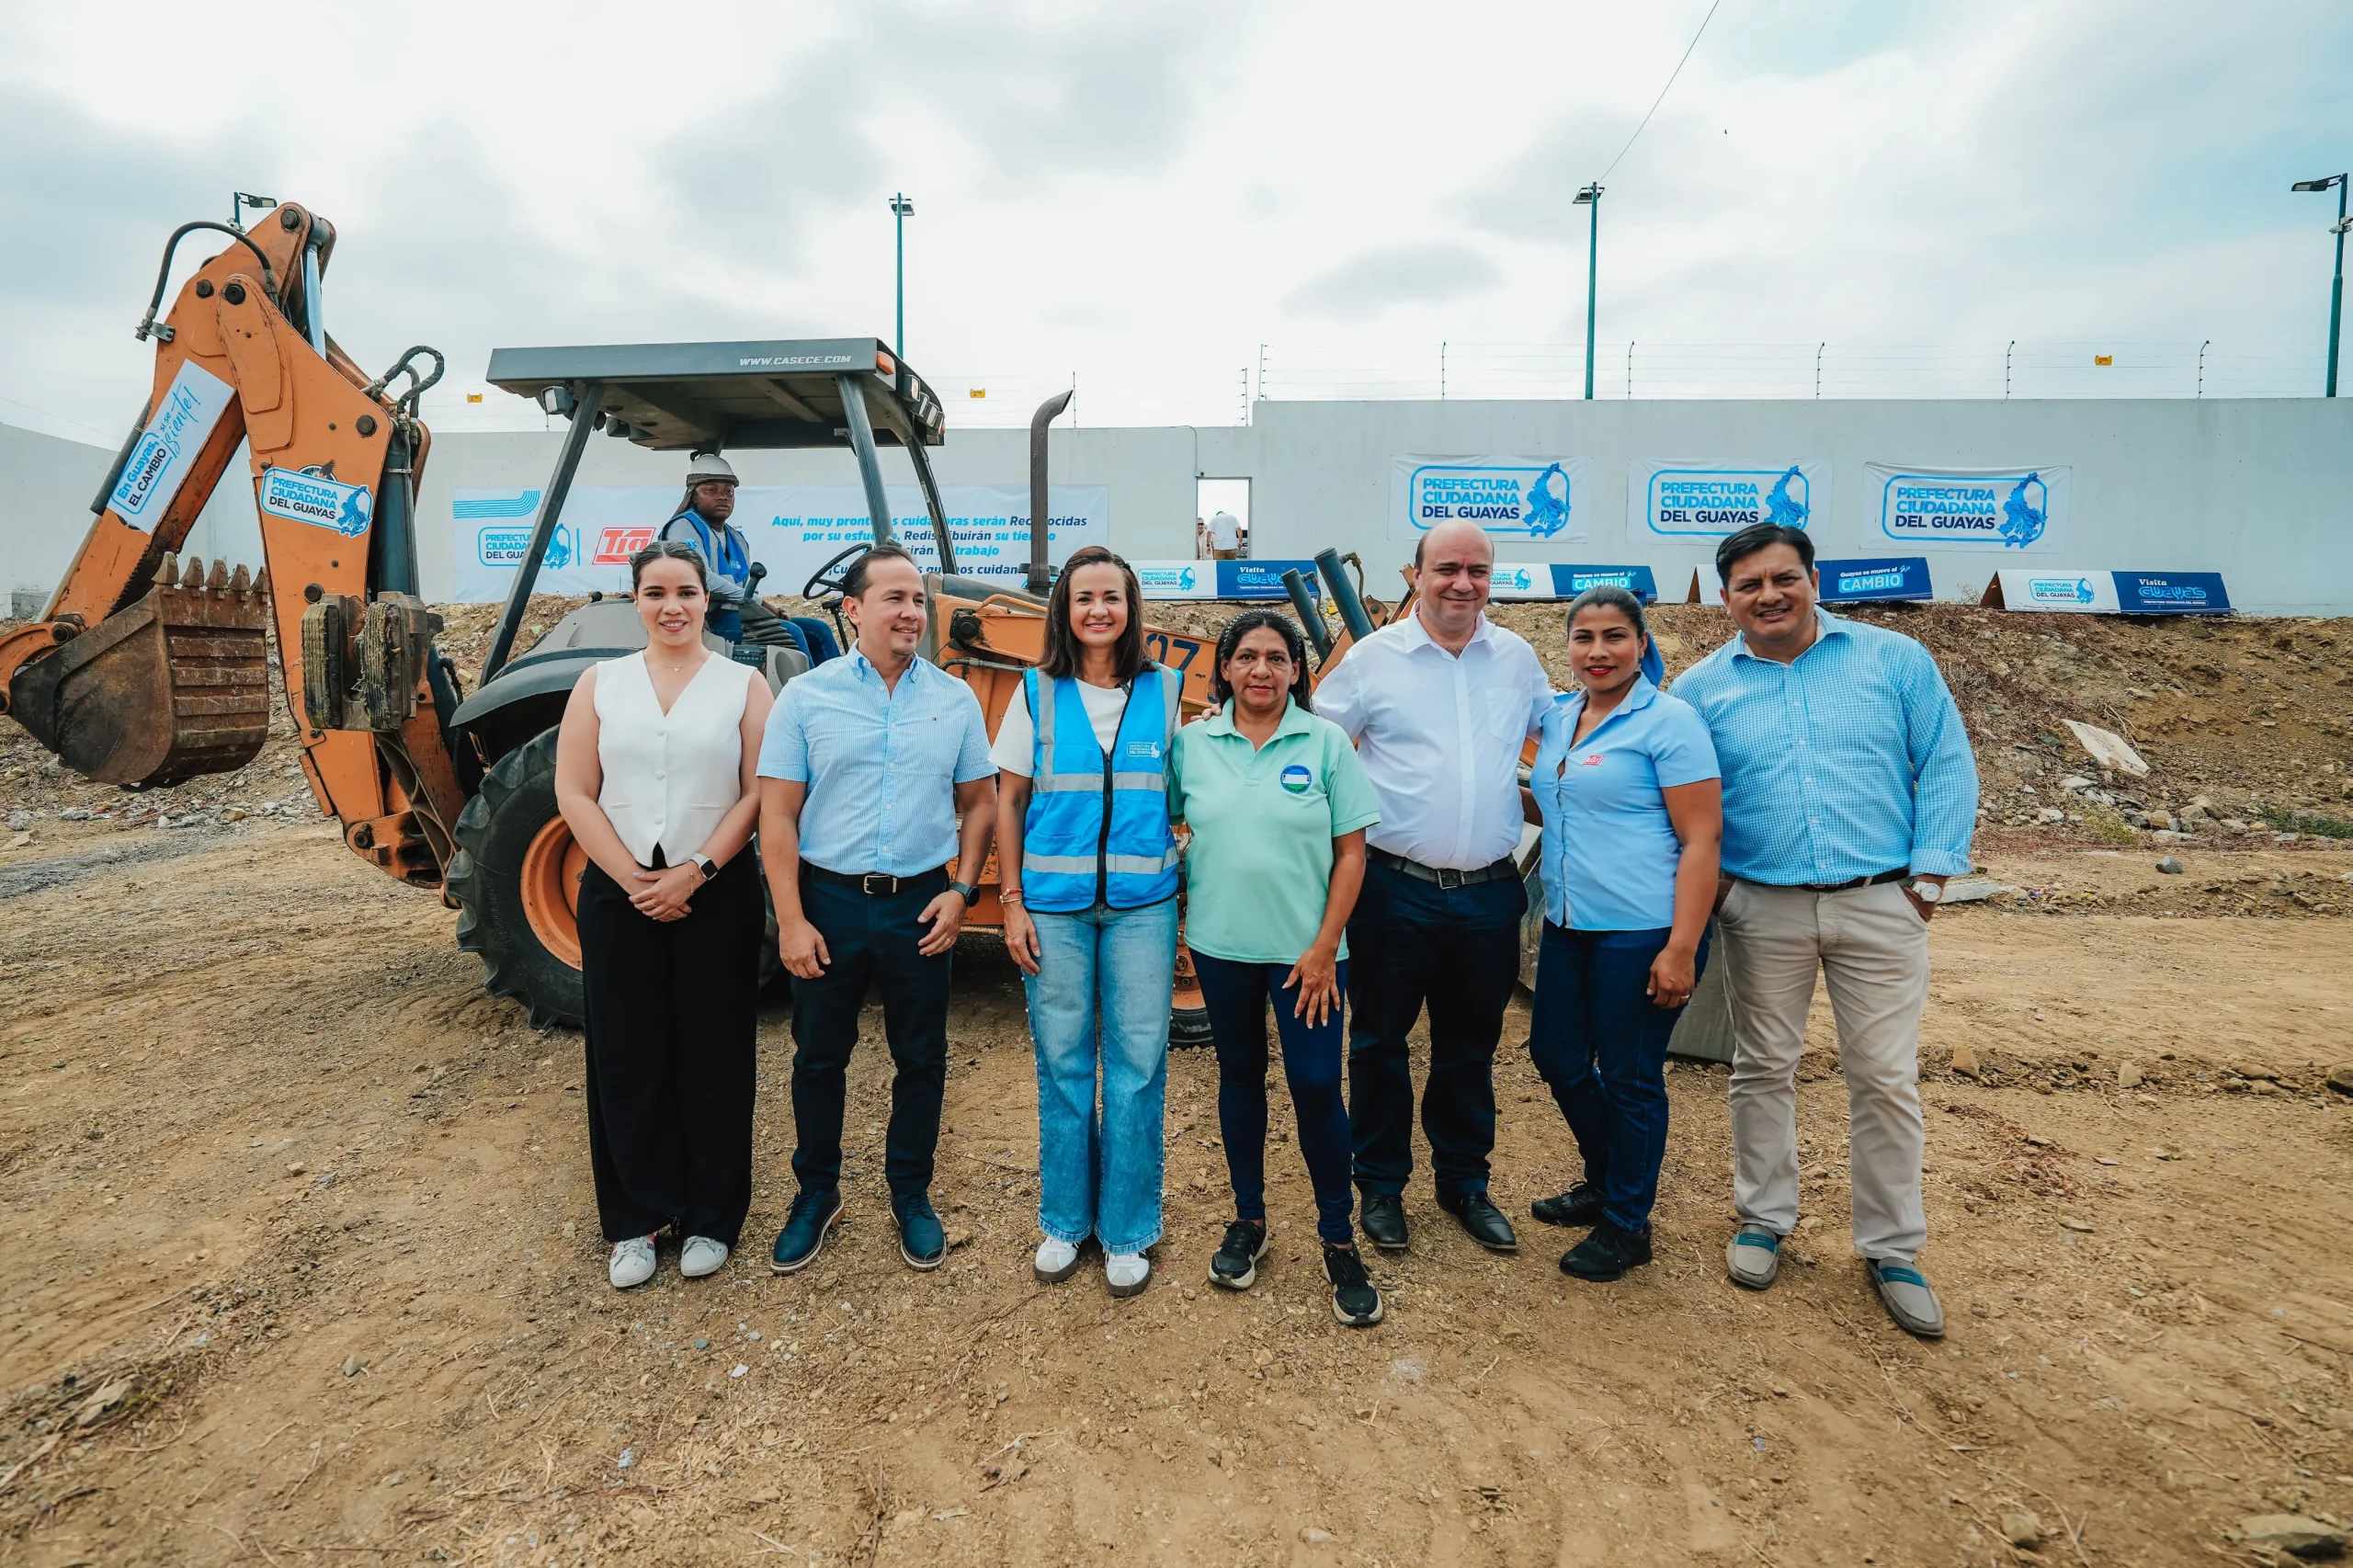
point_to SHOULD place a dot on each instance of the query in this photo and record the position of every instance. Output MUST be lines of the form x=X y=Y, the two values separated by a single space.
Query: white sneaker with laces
x=701 y=1256
x=1127 y=1273
x=633 y=1263
x=1056 y=1261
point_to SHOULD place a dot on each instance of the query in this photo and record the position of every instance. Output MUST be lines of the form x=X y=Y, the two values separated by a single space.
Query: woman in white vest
x=1086 y=869
x=653 y=774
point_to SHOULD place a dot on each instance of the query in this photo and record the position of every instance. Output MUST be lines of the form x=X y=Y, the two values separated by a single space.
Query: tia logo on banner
x=615 y=546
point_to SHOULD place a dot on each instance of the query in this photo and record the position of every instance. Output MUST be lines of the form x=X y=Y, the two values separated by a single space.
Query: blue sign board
x=1887 y=577
x=2171 y=592
x=1568 y=582
x=1263 y=579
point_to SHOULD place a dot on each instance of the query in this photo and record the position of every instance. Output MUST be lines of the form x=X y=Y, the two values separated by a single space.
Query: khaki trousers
x=1871 y=949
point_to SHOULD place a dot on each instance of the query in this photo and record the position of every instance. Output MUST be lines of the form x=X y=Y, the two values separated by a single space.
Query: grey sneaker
x=1753 y=1258
x=1909 y=1299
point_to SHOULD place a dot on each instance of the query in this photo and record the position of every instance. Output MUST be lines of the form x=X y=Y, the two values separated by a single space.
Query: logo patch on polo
x=1593 y=761
x=1297 y=778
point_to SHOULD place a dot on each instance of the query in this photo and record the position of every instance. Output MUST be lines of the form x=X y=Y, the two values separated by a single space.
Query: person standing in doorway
x=869 y=763
x=1850 y=794
x=653 y=775
x=1226 y=535
x=1439 y=702
x=1625 y=780
x=1087 y=874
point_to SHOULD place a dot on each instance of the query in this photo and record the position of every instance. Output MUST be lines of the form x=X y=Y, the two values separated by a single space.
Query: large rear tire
x=516 y=878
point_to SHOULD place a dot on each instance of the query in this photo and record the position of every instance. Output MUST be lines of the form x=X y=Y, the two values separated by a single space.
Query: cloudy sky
x=1143 y=196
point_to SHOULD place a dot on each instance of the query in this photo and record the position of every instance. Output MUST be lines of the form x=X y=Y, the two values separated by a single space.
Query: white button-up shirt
x=1440 y=735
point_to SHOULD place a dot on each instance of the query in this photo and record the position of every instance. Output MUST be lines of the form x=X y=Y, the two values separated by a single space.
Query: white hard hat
x=708 y=465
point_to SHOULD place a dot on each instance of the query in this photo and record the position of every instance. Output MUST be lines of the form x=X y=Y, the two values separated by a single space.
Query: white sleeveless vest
x=670 y=777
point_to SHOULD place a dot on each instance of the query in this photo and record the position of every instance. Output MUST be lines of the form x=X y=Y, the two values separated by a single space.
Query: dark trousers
x=1600 y=1044
x=872 y=941
x=1458 y=950
x=671 y=1011
x=1235 y=997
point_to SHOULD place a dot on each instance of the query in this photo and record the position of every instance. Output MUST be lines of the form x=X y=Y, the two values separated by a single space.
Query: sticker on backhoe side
x=167 y=448
x=318 y=500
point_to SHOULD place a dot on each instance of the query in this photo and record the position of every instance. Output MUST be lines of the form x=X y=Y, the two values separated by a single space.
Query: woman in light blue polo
x=1626 y=783
x=1276 y=804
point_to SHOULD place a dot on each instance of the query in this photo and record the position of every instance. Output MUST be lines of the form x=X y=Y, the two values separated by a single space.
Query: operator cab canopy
x=678 y=397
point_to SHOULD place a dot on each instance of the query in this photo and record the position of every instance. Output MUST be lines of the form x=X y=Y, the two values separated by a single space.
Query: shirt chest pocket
x=1503 y=713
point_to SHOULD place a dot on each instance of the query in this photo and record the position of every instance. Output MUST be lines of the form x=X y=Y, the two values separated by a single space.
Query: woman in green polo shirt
x=1276 y=804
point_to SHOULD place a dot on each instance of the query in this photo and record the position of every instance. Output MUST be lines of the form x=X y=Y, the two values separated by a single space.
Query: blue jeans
x=1411 y=942
x=1101 y=992
x=1235 y=996
x=1600 y=1043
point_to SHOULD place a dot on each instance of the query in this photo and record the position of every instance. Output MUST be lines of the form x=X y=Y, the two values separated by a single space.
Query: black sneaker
x=1580 y=1207
x=1608 y=1253
x=1354 y=1301
x=1236 y=1267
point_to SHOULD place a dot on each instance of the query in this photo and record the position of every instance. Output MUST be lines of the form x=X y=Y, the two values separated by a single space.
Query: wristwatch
x=1926 y=891
x=705 y=864
x=971 y=895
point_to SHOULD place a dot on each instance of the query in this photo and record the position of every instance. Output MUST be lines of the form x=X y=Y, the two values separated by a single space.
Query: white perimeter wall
x=2260 y=490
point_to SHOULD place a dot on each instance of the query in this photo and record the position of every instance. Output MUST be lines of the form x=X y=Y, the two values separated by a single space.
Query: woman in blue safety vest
x=1086 y=872
x=700 y=523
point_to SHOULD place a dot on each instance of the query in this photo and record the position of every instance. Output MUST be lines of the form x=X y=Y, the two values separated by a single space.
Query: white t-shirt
x=1017 y=736
x=1225 y=531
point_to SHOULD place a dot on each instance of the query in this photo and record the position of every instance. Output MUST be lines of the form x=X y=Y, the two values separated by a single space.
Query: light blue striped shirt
x=881 y=766
x=1849 y=761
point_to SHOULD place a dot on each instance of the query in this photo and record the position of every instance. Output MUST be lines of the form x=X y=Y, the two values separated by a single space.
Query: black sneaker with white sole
x=1236 y=1267
x=1355 y=1301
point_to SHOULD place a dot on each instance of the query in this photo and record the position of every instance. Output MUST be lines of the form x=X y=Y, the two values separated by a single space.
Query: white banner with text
x=1516 y=499
x=2016 y=509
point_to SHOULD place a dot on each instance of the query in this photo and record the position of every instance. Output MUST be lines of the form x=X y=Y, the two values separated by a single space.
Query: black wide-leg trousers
x=673 y=1007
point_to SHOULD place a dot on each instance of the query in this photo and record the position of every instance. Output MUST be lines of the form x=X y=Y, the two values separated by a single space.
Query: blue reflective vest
x=1098 y=829
x=727 y=554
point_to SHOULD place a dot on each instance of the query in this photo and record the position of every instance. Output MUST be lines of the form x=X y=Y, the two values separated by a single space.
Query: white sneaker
x=633 y=1263
x=1127 y=1273
x=699 y=1256
x=1056 y=1261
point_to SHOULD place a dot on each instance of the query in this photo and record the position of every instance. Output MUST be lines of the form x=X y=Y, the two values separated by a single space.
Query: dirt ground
x=308 y=1268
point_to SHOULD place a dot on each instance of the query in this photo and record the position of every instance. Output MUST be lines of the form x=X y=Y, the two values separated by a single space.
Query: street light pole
x=2336 y=285
x=901 y=211
x=1590 y=197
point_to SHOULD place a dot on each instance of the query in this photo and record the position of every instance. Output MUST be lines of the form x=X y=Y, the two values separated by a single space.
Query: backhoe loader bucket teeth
x=173 y=685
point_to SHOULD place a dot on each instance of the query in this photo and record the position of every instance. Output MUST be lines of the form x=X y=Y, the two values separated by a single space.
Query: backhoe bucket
x=173 y=685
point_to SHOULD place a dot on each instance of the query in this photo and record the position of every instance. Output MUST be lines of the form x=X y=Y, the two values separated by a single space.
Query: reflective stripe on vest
x=725 y=553
x=1097 y=831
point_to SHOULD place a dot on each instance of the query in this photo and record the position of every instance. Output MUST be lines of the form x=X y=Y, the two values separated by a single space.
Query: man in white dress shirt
x=1438 y=704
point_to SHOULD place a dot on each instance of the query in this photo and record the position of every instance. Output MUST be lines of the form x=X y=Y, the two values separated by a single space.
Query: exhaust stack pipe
x=1345 y=597
x=1041 y=577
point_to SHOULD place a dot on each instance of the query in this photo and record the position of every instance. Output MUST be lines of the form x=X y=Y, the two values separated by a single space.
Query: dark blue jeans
x=1411 y=942
x=1235 y=997
x=1600 y=1044
x=872 y=943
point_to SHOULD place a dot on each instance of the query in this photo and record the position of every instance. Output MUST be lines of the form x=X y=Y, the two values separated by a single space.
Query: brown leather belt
x=877 y=884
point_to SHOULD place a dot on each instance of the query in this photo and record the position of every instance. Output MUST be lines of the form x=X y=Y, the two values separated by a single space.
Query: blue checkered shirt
x=1849 y=761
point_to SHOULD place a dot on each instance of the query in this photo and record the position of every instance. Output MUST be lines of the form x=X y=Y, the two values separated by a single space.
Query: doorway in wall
x=1231 y=496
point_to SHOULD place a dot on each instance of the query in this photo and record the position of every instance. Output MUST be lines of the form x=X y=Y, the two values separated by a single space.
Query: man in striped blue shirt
x=1850 y=794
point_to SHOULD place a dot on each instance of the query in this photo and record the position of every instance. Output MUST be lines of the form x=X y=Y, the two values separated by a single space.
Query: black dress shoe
x=1484 y=1221
x=1608 y=1253
x=1383 y=1220
x=1580 y=1205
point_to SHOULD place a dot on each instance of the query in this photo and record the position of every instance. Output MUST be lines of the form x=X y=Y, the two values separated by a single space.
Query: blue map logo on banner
x=1546 y=514
x=2022 y=519
x=1783 y=510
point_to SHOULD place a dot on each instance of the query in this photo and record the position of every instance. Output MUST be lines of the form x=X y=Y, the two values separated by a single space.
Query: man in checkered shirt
x=1850 y=794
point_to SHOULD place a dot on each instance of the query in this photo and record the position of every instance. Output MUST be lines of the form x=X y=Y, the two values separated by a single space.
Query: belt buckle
x=866 y=884
x=1448 y=878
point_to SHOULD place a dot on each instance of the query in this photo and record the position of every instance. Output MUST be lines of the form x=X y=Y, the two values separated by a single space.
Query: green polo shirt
x=1259 y=866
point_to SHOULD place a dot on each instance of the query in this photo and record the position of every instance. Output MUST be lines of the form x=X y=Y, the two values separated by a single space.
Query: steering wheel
x=825 y=580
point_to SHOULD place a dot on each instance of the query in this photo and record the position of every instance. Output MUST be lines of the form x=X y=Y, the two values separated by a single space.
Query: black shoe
x=1484 y=1221
x=804 y=1235
x=1354 y=1301
x=1236 y=1267
x=1580 y=1205
x=1381 y=1217
x=1608 y=1253
x=923 y=1242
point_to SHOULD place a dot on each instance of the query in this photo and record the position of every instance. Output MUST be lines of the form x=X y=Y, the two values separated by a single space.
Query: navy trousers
x=1600 y=1043
x=1235 y=997
x=1411 y=942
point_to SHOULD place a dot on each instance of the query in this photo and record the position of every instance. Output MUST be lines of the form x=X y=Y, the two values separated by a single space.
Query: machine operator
x=702 y=524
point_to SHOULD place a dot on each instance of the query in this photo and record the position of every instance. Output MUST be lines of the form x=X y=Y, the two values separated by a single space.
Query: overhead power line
x=1662 y=92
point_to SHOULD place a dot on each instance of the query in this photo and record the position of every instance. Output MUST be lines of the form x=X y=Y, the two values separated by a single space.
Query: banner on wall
x=2109 y=593
x=1966 y=508
x=1222 y=579
x=1863 y=581
x=1669 y=502
x=1512 y=498
x=793 y=531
